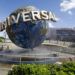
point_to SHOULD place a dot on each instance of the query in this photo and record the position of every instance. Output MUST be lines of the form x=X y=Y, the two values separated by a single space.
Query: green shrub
x=1 y=39
x=61 y=73
x=43 y=69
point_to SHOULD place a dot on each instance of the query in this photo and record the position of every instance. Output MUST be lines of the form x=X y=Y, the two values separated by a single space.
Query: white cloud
x=67 y=5
x=70 y=12
x=50 y=25
x=57 y=19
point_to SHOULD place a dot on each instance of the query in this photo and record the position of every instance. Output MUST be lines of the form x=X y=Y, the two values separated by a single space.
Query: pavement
x=4 y=68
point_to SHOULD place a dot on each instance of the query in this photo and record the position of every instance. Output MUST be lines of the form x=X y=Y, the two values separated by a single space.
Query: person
x=8 y=47
x=1 y=48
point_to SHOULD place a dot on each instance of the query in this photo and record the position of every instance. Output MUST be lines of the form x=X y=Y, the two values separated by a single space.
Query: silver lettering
x=26 y=16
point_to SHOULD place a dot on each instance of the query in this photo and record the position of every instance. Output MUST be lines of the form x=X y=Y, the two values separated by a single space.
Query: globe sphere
x=27 y=34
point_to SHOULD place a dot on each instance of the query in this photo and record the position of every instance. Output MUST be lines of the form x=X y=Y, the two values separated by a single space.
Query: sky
x=63 y=9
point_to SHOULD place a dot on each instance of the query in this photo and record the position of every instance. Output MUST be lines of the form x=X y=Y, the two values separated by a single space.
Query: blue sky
x=63 y=9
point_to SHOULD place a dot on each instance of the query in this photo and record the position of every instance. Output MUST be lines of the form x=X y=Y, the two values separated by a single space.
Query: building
x=62 y=34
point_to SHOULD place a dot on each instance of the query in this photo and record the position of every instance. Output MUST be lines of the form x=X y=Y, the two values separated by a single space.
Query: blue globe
x=27 y=34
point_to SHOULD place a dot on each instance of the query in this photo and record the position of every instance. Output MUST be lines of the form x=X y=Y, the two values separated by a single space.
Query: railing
x=54 y=48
